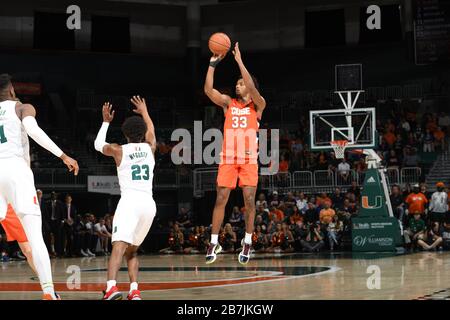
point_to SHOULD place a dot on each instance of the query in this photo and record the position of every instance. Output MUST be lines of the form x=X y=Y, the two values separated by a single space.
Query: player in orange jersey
x=239 y=152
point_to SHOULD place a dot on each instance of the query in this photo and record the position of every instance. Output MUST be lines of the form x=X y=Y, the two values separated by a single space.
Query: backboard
x=357 y=126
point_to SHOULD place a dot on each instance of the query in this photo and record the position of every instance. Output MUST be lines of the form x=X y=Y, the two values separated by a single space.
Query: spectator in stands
x=337 y=198
x=261 y=200
x=439 y=204
x=259 y=239
x=397 y=203
x=55 y=210
x=334 y=230
x=344 y=170
x=175 y=241
x=312 y=214
x=260 y=222
x=70 y=212
x=275 y=202
x=228 y=239
x=103 y=236
x=184 y=219
x=295 y=216
x=428 y=141
x=416 y=202
x=432 y=239
x=82 y=236
x=302 y=203
x=193 y=240
x=278 y=213
x=237 y=219
x=94 y=238
x=313 y=241
x=327 y=214
x=282 y=239
x=414 y=231
x=289 y=203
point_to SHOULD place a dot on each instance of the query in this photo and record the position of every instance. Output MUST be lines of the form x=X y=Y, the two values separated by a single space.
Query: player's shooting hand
x=217 y=58
x=237 y=53
x=72 y=164
x=108 y=113
x=139 y=103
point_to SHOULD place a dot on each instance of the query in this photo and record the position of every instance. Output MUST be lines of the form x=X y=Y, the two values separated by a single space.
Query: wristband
x=214 y=63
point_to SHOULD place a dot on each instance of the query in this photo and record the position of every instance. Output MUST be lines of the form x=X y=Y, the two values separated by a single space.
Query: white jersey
x=135 y=172
x=439 y=202
x=13 y=137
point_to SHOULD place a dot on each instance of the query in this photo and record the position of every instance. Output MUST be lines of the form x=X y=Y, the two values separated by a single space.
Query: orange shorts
x=13 y=227
x=229 y=174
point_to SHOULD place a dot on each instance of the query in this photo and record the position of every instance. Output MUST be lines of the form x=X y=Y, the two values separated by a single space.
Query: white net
x=339 y=147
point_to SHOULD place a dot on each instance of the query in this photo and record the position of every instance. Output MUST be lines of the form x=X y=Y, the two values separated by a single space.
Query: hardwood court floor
x=267 y=276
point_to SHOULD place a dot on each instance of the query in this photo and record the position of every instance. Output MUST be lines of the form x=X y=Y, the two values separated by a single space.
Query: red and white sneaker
x=112 y=294
x=134 y=295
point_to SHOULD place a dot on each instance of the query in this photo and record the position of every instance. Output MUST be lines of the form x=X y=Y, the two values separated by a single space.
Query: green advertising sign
x=374 y=229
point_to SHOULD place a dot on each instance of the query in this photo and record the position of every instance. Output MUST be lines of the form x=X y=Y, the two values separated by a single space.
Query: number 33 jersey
x=240 y=134
x=135 y=172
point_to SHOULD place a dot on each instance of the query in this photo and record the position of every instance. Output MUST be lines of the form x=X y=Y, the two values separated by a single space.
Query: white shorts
x=17 y=188
x=133 y=218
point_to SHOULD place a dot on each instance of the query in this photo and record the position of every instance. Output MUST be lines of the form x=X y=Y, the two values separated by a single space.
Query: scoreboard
x=432 y=31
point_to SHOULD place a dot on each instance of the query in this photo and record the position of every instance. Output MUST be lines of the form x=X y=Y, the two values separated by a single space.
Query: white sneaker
x=84 y=254
x=90 y=253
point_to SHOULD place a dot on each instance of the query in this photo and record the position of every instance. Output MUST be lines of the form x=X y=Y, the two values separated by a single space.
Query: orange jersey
x=240 y=133
x=416 y=203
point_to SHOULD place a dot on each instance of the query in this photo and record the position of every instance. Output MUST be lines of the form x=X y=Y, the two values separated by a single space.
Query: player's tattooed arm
x=222 y=100
x=141 y=108
x=108 y=149
x=27 y=114
x=259 y=101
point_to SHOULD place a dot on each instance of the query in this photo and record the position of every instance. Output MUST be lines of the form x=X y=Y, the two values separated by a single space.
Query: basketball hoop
x=339 y=147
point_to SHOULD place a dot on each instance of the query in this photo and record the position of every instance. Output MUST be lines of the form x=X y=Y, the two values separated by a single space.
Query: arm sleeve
x=38 y=135
x=100 y=141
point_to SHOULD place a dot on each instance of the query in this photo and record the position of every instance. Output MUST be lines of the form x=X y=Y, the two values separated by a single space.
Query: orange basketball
x=219 y=43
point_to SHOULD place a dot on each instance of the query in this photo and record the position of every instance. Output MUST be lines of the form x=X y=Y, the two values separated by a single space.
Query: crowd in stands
x=312 y=223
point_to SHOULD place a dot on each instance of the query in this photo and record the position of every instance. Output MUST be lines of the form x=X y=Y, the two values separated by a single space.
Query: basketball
x=219 y=43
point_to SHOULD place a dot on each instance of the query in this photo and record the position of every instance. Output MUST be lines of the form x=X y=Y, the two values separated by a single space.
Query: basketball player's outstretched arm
x=141 y=108
x=112 y=150
x=27 y=113
x=222 y=100
x=259 y=101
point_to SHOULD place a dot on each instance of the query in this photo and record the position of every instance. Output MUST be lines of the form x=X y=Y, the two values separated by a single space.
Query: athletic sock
x=248 y=238
x=48 y=288
x=214 y=238
x=133 y=286
x=110 y=284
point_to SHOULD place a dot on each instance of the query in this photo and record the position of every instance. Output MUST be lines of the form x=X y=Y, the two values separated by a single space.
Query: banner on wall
x=104 y=184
